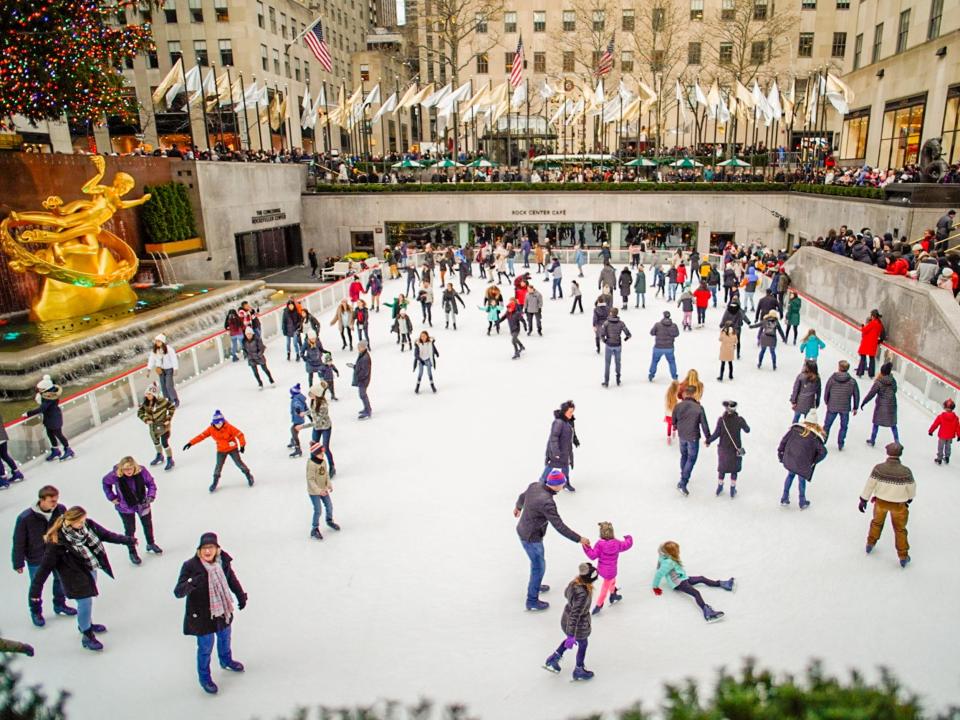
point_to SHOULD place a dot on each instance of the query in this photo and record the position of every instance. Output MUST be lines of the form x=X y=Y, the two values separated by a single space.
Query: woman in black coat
x=730 y=450
x=74 y=550
x=884 y=390
x=255 y=352
x=800 y=450
x=805 y=395
x=206 y=581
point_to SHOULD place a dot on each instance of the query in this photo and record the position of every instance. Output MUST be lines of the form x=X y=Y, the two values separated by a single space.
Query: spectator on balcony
x=871 y=335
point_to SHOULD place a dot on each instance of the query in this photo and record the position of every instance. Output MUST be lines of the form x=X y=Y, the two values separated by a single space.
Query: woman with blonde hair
x=74 y=551
x=800 y=450
x=670 y=568
x=344 y=318
x=131 y=489
x=675 y=393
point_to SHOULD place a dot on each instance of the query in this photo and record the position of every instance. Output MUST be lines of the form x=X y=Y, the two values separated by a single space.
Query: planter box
x=176 y=247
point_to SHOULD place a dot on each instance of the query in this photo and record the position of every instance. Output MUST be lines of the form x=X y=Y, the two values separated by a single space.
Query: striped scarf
x=221 y=603
x=84 y=543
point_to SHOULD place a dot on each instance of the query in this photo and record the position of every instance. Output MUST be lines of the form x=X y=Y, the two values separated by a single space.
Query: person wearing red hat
x=947 y=426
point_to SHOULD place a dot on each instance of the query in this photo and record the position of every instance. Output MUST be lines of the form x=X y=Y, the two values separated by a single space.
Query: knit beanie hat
x=318 y=387
x=152 y=390
x=812 y=417
x=161 y=338
x=217 y=418
x=311 y=334
x=295 y=390
x=316 y=448
x=46 y=383
x=588 y=573
x=949 y=404
x=556 y=477
x=886 y=368
x=208 y=538
x=666 y=314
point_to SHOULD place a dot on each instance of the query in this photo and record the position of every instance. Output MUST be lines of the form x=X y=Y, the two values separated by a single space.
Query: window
x=759 y=9
x=838 y=48
x=226 y=52
x=196 y=11
x=169 y=11
x=146 y=11
x=900 y=136
x=805 y=45
x=857 y=50
x=221 y=10
x=509 y=22
x=877 y=42
x=569 y=63
x=599 y=20
x=936 y=12
x=626 y=61
x=152 y=61
x=261 y=23
x=540 y=62
x=296 y=68
x=364 y=73
x=273 y=21
x=276 y=62
x=843 y=4
x=306 y=71
x=283 y=25
x=903 y=30
x=539 y=20
x=808 y=4
x=173 y=48
x=481 y=23
x=508 y=61
x=657 y=19
x=286 y=65
x=628 y=20
x=728 y=10
x=264 y=58
x=694 y=51
x=853 y=135
x=200 y=51
x=758 y=52
x=951 y=125
x=657 y=60
x=726 y=53
x=696 y=9
x=569 y=20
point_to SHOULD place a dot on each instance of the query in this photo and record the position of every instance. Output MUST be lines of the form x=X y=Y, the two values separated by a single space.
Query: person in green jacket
x=640 y=286
x=811 y=345
x=793 y=316
x=670 y=568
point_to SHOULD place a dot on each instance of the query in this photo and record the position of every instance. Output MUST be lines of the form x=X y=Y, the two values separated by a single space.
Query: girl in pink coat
x=606 y=551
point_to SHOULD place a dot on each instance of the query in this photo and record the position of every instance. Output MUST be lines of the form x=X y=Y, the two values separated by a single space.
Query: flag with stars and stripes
x=606 y=60
x=315 y=41
x=516 y=70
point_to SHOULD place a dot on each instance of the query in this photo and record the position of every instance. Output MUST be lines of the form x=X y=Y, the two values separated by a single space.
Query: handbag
x=741 y=451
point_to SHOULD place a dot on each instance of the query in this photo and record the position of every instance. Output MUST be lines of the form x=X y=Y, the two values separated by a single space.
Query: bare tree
x=456 y=31
x=749 y=39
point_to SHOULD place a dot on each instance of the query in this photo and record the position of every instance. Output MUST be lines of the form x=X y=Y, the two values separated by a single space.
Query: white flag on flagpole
x=389 y=106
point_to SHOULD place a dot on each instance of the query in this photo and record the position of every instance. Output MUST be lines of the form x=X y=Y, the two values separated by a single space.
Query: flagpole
x=383 y=136
x=183 y=69
x=236 y=125
x=216 y=87
x=509 y=108
x=246 y=117
x=256 y=108
x=527 y=81
x=203 y=106
x=286 y=121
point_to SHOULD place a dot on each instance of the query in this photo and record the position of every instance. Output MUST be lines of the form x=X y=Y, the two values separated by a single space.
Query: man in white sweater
x=892 y=488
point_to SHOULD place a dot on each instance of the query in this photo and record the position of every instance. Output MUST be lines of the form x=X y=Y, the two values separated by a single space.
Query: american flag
x=315 y=41
x=606 y=60
x=516 y=70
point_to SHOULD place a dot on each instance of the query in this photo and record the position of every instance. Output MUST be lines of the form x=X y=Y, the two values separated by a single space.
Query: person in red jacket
x=948 y=426
x=681 y=275
x=870 y=343
x=899 y=266
x=230 y=442
x=355 y=290
x=702 y=295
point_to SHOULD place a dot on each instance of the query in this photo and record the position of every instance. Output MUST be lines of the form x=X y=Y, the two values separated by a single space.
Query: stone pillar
x=463 y=233
x=616 y=242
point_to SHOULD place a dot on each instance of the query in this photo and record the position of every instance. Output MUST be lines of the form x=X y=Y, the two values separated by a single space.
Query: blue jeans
x=58 y=596
x=773 y=354
x=235 y=344
x=324 y=437
x=362 y=390
x=327 y=504
x=84 y=613
x=611 y=352
x=205 y=650
x=713 y=294
x=876 y=428
x=167 y=387
x=538 y=567
x=748 y=300
x=689 y=450
x=844 y=420
x=296 y=345
x=673 y=291
x=641 y=298
x=655 y=362
x=557 y=290
x=428 y=364
x=797 y=415
x=510 y=269
x=789 y=482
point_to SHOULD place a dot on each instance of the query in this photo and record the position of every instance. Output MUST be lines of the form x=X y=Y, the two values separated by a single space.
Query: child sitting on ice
x=606 y=552
x=670 y=567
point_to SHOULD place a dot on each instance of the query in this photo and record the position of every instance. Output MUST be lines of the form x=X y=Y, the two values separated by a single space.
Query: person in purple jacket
x=606 y=551
x=130 y=487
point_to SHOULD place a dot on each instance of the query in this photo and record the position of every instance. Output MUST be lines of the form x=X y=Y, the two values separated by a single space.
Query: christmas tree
x=60 y=57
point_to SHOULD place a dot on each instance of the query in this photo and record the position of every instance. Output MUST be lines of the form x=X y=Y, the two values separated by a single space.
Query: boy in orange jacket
x=230 y=442
x=948 y=426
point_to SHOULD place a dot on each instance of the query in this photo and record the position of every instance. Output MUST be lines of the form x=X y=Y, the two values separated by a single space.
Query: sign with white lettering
x=264 y=216
x=538 y=213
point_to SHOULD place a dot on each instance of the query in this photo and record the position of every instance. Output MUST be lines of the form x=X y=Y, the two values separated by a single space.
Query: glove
x=569 y=642
x=863 y=505
x=26 y=649
x=242 y=449
x=576 y=441
x=242 y=602
x=930 y=434
x=187 y=447
x=657 y=591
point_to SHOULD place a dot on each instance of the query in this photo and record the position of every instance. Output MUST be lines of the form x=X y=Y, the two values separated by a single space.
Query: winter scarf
x=221 y=603
x=84 y=543
x=133 y=489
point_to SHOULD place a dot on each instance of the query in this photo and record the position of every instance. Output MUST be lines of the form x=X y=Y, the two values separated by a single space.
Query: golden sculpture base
x=60 y=300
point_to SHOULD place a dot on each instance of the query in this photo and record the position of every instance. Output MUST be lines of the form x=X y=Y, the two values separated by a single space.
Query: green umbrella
x=733 y=162
x=641 y=162
x=447 y=163
x=482 y=163
x=686 y=163
x=407 y=163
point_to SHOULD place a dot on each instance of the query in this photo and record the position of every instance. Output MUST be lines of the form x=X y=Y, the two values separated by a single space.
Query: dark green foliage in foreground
x=839 y=190
x=19 y=703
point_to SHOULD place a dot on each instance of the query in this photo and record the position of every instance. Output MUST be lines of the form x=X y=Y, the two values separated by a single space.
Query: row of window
x=270 y=61
x=267 y=17
x=903 y=33
x=200 y=53
x=194 y=11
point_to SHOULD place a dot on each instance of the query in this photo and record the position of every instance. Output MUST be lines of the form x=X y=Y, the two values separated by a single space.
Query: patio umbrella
x=447 y=163
x=686 y=163
x=641 y=162
x=407 y=163
x=482 y=163
x=733 y=162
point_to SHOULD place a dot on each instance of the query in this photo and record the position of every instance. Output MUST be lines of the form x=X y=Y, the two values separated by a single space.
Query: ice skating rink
x=422 y=593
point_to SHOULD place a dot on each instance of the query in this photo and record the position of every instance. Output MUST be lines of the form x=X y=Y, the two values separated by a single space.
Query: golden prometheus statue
x=85 y=268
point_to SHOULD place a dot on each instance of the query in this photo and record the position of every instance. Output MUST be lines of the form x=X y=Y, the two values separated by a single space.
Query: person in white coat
x=163 y=362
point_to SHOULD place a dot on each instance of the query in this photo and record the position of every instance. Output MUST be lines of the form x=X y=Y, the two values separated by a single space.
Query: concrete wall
x=922 y=322
x=813 y=215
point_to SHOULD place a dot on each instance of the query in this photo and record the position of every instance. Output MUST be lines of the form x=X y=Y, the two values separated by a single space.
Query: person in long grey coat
x=729 y=445
x=884 y=390
x=608 y=277
x=806 y=391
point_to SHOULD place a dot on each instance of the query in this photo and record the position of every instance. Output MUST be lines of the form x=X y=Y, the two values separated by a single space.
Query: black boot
x=417 y=388
x=433 y=387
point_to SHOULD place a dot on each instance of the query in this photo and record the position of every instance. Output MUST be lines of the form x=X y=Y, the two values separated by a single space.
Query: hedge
x=168 y=215
x=550 y=187
x=839 y=190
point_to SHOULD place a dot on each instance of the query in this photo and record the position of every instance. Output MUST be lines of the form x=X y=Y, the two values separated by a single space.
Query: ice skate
x=581 y=673
x=729 y=585
x=157 y=459
x=552 y=663
x=315 y=534
x=719 y=489
x=682 y=487
x=170 y=464
x=53 y=455
x=596 y=610
x=615 y=597
x=90 y=642
x=333 y=526
x=711 y=615
x=64 y=609
x=869 y=548
x=537 y=605
x=904 y=561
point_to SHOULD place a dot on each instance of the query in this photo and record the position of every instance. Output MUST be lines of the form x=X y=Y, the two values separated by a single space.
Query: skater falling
x=670 y=568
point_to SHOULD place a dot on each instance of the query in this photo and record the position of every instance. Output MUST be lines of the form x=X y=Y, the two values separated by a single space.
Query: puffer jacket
x=861 y=253
x=253 y=350
x=689 y=420
x=611 y=331
x=800 y=450
x=298 y=409
x=49 y=408
x=227 y=437
x=625 y=282
x=132 y=494
x=608 y=277
x=559 y=452
x=575 y=621
x=318 y=478
x=312 y=357
x=600 y=314
x=157 y=414
x=606 y=553
x=734 y=315
x=884 y=389
x=840 y=391
x=769 y=329
x=806 y=393
x=665 y=334
x=669 y=569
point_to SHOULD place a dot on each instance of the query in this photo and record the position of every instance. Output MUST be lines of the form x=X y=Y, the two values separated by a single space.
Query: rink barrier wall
x=86 y=411
x=915 y=380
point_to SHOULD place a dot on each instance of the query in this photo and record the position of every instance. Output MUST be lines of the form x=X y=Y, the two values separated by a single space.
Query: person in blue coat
x=298 y=419
x=48 y=407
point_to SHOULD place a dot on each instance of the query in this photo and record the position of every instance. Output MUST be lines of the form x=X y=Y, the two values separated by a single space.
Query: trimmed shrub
x=168 y=214
x=839 y=190
x=628 y=187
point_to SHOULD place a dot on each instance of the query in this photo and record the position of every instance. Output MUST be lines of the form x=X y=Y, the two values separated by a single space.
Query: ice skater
x=730 y=449
x=322 y=426
x=515 y=321
x=343 y=318
x=298 y=419
x=132 y=491
x=230 y=443
x=361 y=317
x=561 y=442
x=948 y=427
x=156 y=412
x=163 y=361
x=728 y=349
x=767 y=336
x=841 y=396
x=6 y=461
x=670 y=568
x=362 y=368
x=425 y=355
x=425 y=298
x=805 y=395
x=575 y=622
x=690 y=420
x=449 y=301
x=403 y=327
x=48 y=407
x=606 y=551
x=319 y=488
x=640 y=287
x=892 y=488
x=255 y=352
x=665 y=334
x=610 y=334
x=800 y=450
x=884 y=389
x=577 y=296
x=601 y=311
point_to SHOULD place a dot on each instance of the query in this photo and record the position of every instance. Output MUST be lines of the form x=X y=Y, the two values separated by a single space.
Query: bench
x=340 y=269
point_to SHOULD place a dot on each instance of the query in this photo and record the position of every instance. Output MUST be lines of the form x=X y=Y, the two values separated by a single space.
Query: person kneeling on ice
x=575 y=622
x=800 y=450
x=606 y=550
x=230 y=442
x=319 y=488
x=670 y=567
x=206 y=581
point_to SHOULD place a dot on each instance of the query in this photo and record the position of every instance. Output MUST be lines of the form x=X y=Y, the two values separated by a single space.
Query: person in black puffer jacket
x=885 y=409
x=800 y=450
x=842 y=395
x=601 y=311
x=254 y=351
x=563 y=438
x=575 y=621
x=806 y=391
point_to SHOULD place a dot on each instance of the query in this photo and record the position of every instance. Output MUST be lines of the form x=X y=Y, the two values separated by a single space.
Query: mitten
x=657 y=591
x=569 y=642
x=242 y=601
x=243 y=449
x=187 y=447
x=863 y=505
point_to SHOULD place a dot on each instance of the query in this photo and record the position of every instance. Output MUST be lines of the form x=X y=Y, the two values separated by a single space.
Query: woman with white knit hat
x=163 y=362
x=48 y=406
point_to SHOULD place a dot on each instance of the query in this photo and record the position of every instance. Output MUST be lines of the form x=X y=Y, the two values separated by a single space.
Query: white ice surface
x=422 y=593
